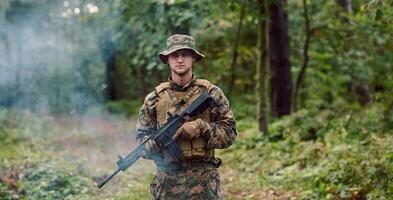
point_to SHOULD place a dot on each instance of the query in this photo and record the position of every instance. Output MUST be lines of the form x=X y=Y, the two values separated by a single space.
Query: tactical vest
x=172 y=102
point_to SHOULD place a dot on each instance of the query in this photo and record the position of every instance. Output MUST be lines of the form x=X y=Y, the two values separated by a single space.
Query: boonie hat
x=177 y=42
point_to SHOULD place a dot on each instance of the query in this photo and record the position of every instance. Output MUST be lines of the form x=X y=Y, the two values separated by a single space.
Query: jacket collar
x=181 y=88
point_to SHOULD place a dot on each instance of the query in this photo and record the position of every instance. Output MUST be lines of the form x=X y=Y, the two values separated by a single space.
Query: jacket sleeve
x=146 y=123
x=223 y=126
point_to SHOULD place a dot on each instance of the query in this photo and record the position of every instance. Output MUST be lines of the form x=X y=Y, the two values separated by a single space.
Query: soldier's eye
x=174 y=55
x=187 y=54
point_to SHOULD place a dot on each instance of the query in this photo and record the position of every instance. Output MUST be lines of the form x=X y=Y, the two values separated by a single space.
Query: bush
x=354 y=173
x=48 y=181
x=330 y=154
x=6 y=193
x=131 y=108
x=243 y=107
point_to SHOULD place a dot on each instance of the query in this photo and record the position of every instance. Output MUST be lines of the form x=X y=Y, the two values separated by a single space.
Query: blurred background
x=74 y=73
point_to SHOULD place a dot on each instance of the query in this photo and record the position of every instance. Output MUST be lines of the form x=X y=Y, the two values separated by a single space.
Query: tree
x=302 y=73
x=236 y=46
x=263 y=66
x=109 y=56
x=346 y=5
x=280 y=67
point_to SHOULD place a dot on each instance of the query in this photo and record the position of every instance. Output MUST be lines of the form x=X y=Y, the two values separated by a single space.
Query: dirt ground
x=95 y=143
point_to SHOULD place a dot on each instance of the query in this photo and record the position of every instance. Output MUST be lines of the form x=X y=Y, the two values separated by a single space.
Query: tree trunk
x=302 y=73
x=263 y=67
x=346 y=5
x=235 y=48
x=16 y=90
x=6 y=98
x=142 y=74
x=110 y=61
x=363 y=94
x=281 y=81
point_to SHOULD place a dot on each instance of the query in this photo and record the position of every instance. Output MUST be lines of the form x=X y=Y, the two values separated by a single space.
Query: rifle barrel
x=100 y=185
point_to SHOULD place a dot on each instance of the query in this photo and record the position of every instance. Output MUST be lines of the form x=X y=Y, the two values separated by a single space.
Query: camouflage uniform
x=195 y=177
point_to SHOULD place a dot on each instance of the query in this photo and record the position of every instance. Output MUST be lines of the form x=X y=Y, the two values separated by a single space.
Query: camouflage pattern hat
x=177 y=42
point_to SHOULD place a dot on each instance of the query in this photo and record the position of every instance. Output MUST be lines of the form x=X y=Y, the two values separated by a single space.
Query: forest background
x=310 y=84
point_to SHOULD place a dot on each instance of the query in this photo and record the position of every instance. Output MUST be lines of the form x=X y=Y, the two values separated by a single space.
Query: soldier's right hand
x=151 y=146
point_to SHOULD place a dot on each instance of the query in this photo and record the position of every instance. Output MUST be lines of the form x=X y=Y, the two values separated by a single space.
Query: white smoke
x=50 y=56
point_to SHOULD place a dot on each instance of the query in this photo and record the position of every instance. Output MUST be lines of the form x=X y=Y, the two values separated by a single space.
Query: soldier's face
x=181 y=61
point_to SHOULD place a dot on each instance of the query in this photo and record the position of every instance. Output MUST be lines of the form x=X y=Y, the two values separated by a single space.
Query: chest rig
x=172 y=102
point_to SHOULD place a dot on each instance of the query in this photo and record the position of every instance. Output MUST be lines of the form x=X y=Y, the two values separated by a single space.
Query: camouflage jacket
x=223 y=125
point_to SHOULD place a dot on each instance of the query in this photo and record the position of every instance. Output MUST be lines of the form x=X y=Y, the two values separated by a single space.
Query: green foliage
x=6 y=193
x=388 y=119
x=243 y=107
x=345 y=156
x=340 y=50
x=48 y=181
x=39 y=177
x=30 y=157
x=337 y=59
x=345 y=49
x=16 y=125
x=131 y=108
x=331 y=148
x=350 y=154
x=361 y=171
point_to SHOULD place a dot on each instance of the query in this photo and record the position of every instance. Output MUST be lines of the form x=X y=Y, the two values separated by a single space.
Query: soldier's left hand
x=192 y=129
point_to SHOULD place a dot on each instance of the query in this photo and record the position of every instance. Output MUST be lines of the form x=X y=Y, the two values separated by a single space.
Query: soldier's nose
x=179 y=59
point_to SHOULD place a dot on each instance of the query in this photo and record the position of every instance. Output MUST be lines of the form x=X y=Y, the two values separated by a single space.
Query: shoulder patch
x=151 y=99
x=162 y=87
x=216 y=93
x=204 y=83
x=151 y=96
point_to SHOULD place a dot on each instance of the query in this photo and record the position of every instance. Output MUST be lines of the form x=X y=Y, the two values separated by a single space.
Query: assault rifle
x=163 y=136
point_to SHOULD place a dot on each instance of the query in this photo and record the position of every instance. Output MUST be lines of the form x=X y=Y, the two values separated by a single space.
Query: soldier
x=196 y=176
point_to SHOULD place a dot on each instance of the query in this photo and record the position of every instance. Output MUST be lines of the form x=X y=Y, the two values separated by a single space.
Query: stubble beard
x=182 y=73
